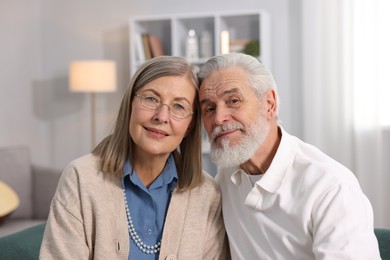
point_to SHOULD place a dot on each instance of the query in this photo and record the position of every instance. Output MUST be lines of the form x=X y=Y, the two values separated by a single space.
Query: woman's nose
x=162 y=114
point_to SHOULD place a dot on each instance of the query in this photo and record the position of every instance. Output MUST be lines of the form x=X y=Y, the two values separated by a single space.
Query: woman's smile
x=156 y=133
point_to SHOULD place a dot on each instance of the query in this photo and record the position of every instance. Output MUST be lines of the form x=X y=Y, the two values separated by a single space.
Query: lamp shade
x=92 y=76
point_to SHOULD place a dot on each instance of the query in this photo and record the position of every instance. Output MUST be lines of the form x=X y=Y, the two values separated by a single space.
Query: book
x=155 y=46
x=139 y=48
x=146 y=45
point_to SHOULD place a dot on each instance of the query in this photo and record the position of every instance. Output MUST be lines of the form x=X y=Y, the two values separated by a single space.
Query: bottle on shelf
x=192 y=48
x=206 y=48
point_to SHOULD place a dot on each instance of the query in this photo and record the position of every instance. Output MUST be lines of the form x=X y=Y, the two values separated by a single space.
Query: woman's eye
x=151 y=99
x=178 y=106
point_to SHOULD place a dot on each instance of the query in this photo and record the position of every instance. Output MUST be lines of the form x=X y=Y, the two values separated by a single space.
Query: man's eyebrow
x=230 y=91
x=204 y=101
x=223 y=93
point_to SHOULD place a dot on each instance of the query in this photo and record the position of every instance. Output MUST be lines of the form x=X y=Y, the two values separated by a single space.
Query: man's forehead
x=222 y=87
x=224 y=84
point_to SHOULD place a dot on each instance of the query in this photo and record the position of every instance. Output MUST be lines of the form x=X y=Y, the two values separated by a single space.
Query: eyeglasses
x=177 y=109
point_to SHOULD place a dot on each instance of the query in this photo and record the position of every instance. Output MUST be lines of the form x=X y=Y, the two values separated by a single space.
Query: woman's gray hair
x=116 y=148
x=259 y=77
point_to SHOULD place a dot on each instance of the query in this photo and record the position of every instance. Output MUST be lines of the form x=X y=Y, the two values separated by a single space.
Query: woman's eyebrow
x=151 y=90
x=182 y=98
x=159 y=95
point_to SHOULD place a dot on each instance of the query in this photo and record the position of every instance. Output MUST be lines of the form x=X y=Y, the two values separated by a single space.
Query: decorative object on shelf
x=206 y=48
x=225 y=42
x=238 y=45
x=252 y=48
x=192 y=48
x=92 y=76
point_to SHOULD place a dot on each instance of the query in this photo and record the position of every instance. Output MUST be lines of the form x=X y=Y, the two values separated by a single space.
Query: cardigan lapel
x=174 y=223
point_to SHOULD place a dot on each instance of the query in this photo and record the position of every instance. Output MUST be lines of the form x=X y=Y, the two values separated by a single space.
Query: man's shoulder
x=314 y=166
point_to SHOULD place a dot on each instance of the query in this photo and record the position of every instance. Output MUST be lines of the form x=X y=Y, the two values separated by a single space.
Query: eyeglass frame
x=141 y=97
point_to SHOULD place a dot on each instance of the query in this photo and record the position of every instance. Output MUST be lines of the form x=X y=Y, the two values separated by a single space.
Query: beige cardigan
x=87 y=219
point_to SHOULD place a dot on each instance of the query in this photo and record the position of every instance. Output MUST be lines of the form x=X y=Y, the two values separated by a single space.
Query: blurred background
x=329 y=58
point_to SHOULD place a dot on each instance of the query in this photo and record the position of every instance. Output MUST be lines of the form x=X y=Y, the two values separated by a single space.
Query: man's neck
x=262 y=159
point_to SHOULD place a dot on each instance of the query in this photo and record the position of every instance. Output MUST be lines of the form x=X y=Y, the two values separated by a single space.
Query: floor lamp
x=92 y=76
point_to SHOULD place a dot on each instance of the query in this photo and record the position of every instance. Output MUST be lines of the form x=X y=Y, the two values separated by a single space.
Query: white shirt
x=306 y=206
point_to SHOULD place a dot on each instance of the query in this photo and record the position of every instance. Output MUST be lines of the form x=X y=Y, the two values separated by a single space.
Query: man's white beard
x=234 y=155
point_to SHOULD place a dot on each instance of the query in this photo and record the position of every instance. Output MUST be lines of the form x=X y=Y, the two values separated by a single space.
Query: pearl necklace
x=147 y=249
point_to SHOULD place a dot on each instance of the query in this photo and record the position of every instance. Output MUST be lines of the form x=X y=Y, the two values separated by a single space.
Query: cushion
x=15 y=170
x=383 y=236
x=45 y=182
x=22 y=245
x=9 y=201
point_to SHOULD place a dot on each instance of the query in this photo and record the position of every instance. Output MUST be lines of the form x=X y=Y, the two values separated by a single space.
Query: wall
x=20 y=69
x=36 y=107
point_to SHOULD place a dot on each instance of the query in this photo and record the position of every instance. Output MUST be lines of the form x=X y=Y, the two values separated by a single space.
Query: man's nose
x=222 y=115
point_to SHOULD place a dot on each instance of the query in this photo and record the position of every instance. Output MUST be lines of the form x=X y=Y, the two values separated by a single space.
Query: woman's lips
x=157 y=133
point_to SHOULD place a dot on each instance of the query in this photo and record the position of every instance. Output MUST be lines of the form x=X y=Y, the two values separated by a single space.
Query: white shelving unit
x=173 y=30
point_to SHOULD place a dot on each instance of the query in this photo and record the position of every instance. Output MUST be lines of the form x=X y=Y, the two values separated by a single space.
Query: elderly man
x=282 y=198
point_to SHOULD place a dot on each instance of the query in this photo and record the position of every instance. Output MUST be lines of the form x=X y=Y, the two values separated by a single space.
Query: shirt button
x=149 y=231
x=171 y=257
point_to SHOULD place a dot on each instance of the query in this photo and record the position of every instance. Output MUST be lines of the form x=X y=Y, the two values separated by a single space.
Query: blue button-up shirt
x=148 y=206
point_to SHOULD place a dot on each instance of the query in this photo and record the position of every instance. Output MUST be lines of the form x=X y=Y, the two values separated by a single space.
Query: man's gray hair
x=259 y=77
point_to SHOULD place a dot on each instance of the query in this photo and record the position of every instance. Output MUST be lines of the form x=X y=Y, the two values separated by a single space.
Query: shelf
x=172 y=30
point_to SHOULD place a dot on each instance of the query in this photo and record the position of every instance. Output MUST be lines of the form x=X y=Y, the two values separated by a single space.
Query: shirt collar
x=273 y=178
x=167 y=177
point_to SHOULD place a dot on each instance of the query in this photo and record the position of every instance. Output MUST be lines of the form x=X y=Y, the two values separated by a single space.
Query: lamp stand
x=93 y=119
x=92 y=76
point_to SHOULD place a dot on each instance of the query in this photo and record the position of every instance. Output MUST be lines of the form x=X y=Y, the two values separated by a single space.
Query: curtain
x=346 y=90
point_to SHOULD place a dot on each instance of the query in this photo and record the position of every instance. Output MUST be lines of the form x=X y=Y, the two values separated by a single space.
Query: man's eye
x=208 y=109
x=234 y=102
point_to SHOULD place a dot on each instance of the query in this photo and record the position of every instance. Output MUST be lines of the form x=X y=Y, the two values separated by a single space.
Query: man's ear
x=271 y=103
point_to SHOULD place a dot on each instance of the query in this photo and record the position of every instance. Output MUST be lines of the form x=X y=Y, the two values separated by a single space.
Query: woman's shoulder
x=208 y=179
x=86 y=161
x=85 y=169
x=206 y=195
x=84 y=175
x=208 y=185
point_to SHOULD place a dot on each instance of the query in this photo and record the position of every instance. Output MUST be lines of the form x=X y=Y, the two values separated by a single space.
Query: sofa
x=34 y=185
x=26 y=243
